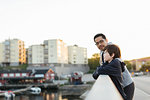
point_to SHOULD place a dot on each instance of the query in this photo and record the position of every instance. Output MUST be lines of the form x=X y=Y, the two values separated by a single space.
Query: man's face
x=100 y=43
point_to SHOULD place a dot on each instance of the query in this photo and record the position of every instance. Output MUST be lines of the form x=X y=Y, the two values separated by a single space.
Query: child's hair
x=112 y=48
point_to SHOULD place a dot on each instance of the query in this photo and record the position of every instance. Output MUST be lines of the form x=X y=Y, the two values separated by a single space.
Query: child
x=112 y=67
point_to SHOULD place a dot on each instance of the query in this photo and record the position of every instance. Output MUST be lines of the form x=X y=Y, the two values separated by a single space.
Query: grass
x=22 y=67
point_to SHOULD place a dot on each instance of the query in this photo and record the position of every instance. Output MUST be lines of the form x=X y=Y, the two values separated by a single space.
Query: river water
x=44 y=95
x=50 y=94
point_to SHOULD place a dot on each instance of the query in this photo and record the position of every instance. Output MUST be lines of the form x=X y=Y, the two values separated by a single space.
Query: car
x=65 y=76
x=138 y=73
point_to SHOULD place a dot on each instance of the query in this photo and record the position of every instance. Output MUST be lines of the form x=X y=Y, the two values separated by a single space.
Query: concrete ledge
x=103 y=89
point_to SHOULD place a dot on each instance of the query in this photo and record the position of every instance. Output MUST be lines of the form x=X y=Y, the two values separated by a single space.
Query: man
x=101 y=42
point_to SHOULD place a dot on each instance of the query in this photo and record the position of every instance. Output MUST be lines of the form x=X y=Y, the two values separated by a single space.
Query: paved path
x=142 y=90
x=87 y=78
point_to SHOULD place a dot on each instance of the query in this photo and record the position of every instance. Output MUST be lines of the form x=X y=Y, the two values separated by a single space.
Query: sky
x=124 y=22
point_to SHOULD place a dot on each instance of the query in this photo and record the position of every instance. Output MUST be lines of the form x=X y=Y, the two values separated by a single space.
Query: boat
x=9 y=95
x=35 y=90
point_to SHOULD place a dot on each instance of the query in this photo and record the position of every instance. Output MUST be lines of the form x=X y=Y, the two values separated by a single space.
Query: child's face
x=107 y=56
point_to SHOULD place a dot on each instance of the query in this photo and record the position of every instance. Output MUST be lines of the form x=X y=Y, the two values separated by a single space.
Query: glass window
x=17 y=74
x=5 y=75
x=11 y=74
x=24 y=74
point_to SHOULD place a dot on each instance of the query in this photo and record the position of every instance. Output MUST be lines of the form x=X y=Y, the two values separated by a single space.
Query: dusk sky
x=124 y=22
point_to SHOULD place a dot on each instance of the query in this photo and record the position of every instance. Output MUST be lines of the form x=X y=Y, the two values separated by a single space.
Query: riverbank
x=17 y=86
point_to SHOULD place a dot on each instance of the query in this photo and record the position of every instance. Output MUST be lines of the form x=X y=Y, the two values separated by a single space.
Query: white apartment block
x=77 y=55
x=55 y=51
x=12 y=52
x=36 y=54
x=1 y=53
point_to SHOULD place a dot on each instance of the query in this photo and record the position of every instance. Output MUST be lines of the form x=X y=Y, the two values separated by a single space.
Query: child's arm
x=95 y=74
x=113 y=68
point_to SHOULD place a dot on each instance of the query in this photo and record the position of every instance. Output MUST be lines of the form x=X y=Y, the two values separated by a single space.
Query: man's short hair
x=100 y=34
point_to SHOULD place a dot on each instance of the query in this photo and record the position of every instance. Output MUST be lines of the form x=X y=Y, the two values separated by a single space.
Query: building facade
x=1 y=53
x=77 y=55
x=55 y=51
x=36 y=54
x=26 y=76
x=13 y=52
x=139 y=62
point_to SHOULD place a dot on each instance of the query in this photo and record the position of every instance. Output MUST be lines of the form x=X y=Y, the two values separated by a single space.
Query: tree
x=128 y=65
x=145 y=67
x=96 y=55
x=94 y=61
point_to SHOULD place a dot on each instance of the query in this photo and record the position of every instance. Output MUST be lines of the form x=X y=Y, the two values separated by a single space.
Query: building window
x=5 y=75
x=74 y=51
x=17 y=74
x=59 y=55
x=24 y=74
x=59 y=42
x=11 y=75
x=46 y=42
x=143 y=62
x=59 y=47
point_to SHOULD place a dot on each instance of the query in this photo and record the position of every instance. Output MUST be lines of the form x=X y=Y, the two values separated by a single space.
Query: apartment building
x=1 y=53
x=36 y=54
x=77 y=55
x=12 y=52
x=55 y=51
x=139 y=62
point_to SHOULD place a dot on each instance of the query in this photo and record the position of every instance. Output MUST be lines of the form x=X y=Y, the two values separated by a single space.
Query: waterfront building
x=77 y=55
x=1 y=53
x=48 y=75
x=55 y=51
x=12 y=52
x=36 y=54
x=26 y=76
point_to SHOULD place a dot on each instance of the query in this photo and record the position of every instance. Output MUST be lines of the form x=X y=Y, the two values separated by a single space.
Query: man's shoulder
x=109 y=43
x=115 y=62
